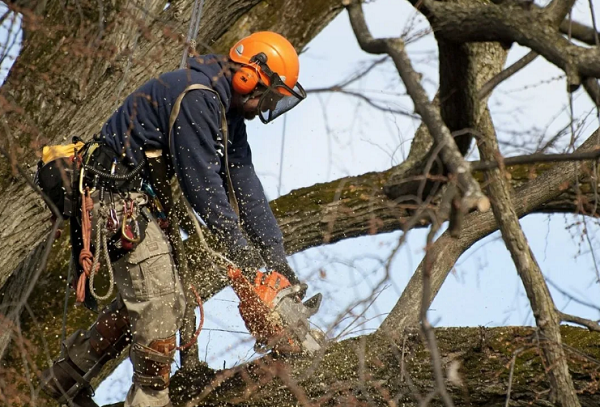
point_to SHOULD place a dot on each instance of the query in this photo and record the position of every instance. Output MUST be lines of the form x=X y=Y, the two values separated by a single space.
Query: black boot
x=85 y=352
x=65 y=382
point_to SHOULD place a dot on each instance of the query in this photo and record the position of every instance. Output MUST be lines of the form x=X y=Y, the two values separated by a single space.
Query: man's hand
x=247 y=259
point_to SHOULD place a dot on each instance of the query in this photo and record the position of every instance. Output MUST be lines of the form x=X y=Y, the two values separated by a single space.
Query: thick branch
x=447 y=250
x=394 y=371
x=580 y=32
x=558 y=9
x=467 y=22
x=542 y=305
x=449 y=152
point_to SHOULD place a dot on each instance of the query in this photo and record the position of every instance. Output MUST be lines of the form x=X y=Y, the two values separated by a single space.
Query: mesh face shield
x=278 y=99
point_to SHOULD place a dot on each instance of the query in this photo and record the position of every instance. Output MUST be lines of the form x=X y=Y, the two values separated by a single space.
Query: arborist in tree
x=189 y=124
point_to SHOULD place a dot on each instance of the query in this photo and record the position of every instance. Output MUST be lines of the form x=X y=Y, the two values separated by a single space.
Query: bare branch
x=447 y=250
x=362 y=74
x=450 y=154
x=589 y=324
x=366 y=99
x=510 y=377
x=579 y=31
x=542 y=305
x=505 y=74
x=537 y=158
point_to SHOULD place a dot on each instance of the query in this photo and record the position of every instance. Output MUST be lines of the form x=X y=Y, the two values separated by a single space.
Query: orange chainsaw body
x=256 y=308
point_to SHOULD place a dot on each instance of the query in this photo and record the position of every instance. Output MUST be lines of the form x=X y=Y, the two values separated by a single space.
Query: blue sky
x=329 y=136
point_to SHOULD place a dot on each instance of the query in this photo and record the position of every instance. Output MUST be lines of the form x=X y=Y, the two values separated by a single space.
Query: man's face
x=260 y=100
x=250 y=107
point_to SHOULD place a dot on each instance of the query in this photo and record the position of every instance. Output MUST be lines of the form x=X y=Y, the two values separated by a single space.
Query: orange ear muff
x=245 y=80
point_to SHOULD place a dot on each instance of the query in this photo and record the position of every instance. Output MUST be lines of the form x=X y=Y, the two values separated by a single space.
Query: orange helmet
x=269 y=61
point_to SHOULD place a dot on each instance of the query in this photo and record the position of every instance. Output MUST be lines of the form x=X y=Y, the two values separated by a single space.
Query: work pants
x=151 y=293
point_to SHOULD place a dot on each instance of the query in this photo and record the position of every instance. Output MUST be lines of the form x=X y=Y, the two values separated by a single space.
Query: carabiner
x=81 y=177
x=112 y=222
x=129 y=233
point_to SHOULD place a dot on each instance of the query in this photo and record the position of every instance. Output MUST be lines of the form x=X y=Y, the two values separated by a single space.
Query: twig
x=536 y=158
x=368 y=100
x=571 y=297
x=594 y=26
x=426 y=327
x=362 y=74
x=510 y=375
x=58 y=223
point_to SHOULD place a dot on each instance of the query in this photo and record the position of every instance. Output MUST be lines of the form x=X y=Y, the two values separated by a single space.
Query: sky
x=330 y=136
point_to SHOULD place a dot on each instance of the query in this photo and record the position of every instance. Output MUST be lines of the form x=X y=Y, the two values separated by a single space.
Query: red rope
x=86 y=258
x=195 y=337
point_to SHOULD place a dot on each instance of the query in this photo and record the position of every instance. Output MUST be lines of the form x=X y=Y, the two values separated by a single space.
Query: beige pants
x=150 y=289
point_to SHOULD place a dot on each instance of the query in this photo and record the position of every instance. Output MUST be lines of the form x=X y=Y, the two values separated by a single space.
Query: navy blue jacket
x=142 y=123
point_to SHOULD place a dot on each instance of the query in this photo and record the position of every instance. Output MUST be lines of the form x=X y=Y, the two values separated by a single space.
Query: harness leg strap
x=152 y=363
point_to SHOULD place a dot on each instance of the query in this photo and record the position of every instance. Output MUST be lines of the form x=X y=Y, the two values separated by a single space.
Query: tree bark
x=371 y=370
x=546 y=316
x=72 y=73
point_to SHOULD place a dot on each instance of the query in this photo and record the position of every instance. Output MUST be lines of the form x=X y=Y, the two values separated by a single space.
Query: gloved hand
x=276 y=261
x=285 y=270
x=247 y=259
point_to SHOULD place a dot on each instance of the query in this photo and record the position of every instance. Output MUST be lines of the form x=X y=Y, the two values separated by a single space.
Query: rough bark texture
x=508 y=22
x=69 y=78
x=546 y=316
x=373 y=370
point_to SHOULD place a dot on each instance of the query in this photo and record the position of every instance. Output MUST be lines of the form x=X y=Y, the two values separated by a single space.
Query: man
x=186 y=122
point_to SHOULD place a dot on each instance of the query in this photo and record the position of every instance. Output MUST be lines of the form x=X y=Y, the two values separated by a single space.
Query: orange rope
x=86 y=258
x=195 y=337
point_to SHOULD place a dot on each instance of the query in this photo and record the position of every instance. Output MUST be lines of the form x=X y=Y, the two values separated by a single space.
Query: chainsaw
x=275 y=315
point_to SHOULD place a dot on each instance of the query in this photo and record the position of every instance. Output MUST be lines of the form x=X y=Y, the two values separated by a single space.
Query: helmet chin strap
x=257 y=92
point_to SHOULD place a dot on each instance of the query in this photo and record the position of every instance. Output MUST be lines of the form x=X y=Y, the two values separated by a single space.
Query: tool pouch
x=55 y=175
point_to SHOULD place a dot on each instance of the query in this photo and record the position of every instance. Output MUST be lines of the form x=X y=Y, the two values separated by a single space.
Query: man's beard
x=250 y=115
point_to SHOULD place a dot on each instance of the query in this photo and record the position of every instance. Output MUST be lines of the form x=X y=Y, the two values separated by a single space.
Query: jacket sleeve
x=197 y=158
x=256 y=215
